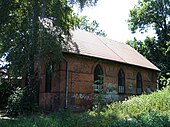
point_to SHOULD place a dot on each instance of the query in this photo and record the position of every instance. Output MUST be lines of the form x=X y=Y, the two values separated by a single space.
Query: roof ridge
x=90 y=44
x=110 y=48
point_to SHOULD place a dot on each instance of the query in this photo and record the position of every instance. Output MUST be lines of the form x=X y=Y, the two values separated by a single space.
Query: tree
x=151 y=13
x=155 y=14
x=84 y=23
x=149 y=49
x=34 y=28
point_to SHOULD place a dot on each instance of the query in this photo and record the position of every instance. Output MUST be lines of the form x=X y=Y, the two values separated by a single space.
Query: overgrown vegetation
x=152 y=14
x=21 y=101
x=33 y=30
x=137 y=111
x=23 y=36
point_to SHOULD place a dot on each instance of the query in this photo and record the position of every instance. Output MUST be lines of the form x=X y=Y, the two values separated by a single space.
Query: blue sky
x=112 y=16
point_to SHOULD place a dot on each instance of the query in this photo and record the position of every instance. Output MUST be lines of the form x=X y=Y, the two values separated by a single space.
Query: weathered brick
x=80 y=81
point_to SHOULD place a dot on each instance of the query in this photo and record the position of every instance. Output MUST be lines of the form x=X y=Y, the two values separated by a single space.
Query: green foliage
x=138 y=111
x=35 y=28
x=59 y=119
x=84 y=23
x=157 y=101
x=154 y=14
x=150 y=119
x=83 y=3
x=168 y=44
x=150 y=13
x=25 y=32
x=102 y=93
x=31 y=30
x=163 y=81
x=2 y=86
x=15 y=100
x=144 y=120
x=150 y=49
x=6 y=87
x=133 y=112
x=22 y=100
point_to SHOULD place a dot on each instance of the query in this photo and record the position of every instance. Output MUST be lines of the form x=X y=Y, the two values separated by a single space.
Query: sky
x=112 y=16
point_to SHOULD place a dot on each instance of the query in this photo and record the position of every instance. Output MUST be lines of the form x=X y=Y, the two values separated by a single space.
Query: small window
x=139 y=84
x=121 y=82
x=49 y=71
x=98 y=79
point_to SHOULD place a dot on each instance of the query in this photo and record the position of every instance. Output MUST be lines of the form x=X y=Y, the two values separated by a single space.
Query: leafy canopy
x=153 y=14
x=35 y=28
x=84 y=23
x=32 y=30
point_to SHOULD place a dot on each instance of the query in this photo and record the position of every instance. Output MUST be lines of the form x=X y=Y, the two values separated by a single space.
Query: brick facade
x=80 y=81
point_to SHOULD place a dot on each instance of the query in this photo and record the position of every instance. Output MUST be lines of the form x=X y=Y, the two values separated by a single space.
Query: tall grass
x=158 y=101
x=137 y=111
x=59 y=119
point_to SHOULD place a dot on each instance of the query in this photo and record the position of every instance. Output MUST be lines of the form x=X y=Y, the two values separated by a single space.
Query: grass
x=59 y=119
x=137 y=111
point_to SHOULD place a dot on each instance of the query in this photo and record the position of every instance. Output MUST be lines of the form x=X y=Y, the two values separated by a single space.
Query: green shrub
x=158 y=101
x=14 y=101
x=22 y=100
x=152 y=119
x=134 y=112
x=151 y=110
x=164 y=80
x=57 y=119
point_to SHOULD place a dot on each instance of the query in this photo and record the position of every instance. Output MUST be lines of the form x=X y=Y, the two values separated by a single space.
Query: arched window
x=139 y=84
x=49 y=71
x=121 y=82
x=98 y=79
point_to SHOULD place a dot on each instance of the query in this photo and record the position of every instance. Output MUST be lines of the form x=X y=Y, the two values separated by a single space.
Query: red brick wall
x=80 y=81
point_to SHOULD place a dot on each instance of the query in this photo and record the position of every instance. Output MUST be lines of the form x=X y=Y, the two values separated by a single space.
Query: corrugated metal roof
x=90 y=44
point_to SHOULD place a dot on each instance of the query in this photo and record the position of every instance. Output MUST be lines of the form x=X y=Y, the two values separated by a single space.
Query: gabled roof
x=92 y=45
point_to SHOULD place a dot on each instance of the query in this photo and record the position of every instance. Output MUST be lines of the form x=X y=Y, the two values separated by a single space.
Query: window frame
x=98 y=79
x=139 y=83
x=121 y=82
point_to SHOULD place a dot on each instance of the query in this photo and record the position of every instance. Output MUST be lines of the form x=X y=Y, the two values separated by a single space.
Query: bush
x=22 y=100
x=137 y=111
x=152 y=119
x=151 y=110
x=57 y=119
x=5 y=92
x=164 y=80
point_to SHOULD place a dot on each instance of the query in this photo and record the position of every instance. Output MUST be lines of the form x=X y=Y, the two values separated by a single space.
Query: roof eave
x=155 y=69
